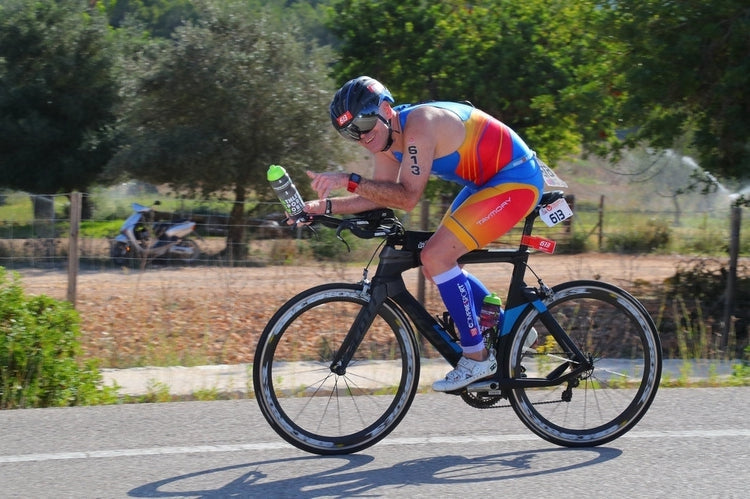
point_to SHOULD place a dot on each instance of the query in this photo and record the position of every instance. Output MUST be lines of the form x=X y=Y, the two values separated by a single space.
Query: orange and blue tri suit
x=500 y=174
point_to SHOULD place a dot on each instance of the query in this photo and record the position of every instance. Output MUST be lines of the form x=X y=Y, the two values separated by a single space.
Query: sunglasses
x=359 y=126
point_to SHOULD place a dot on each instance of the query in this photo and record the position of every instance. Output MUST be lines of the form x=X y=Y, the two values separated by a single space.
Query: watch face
x=354 y=180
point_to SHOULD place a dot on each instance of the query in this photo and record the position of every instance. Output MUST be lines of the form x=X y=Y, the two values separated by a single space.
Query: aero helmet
x=354 y=108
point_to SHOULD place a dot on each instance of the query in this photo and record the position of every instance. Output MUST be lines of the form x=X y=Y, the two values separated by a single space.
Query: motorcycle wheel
x=122 y=254
x=186 y=257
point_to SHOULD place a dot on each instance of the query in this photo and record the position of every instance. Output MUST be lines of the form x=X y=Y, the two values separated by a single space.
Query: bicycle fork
x=379 y=291
x=359 y=328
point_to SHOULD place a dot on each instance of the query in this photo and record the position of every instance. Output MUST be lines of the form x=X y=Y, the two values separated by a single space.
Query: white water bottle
x=286 y=190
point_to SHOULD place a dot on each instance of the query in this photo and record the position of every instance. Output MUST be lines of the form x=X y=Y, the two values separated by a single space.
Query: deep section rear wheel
x=312 y=406
x=617 y=334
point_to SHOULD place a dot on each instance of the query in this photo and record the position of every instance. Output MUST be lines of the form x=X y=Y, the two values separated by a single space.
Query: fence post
x=75 y=222
x=734 y=250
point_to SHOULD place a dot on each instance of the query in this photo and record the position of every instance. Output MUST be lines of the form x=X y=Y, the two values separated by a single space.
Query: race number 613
x=556 y=212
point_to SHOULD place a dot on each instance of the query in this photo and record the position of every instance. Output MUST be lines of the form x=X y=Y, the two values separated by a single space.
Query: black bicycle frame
x=388 y=283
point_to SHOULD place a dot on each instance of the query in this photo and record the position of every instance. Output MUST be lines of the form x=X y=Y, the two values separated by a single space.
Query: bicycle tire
x=308 y=404
x=617 y=333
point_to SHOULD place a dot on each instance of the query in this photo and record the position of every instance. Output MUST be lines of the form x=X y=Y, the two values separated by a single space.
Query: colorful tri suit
x=501 y=178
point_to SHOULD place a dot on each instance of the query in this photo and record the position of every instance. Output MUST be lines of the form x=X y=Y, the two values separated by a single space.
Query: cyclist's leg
x=465 y=229
x=474 y=220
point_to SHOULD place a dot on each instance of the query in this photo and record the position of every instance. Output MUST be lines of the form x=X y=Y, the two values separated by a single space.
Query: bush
x=654 y=235
x=698 y=289
x=325 y=245
x=577 y=243
x=38 y=350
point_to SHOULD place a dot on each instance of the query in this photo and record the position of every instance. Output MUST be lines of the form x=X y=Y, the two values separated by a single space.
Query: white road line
x=203 y=449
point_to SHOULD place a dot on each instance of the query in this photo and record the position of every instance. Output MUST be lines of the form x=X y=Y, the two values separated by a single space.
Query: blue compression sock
x=478 y=291
x=455 y=290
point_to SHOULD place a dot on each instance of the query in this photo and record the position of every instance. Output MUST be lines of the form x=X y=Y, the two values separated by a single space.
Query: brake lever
x=341 y=228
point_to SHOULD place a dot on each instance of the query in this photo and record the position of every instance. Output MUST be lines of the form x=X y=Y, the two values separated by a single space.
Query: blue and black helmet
x=354 y=108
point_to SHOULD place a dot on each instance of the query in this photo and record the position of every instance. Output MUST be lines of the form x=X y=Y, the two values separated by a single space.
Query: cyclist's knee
x=437 y=259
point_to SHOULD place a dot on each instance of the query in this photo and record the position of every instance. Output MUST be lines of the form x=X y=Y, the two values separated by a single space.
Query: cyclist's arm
x=341 y=205
x=393 y=185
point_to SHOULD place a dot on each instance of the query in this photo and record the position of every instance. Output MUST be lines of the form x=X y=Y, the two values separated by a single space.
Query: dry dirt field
x=213 y=315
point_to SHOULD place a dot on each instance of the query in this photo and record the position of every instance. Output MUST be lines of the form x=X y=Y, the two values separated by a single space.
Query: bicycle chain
x=505 y=406
x=475 y=401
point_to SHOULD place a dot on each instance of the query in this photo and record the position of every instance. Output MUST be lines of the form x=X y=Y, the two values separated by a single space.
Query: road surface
x=692 y=443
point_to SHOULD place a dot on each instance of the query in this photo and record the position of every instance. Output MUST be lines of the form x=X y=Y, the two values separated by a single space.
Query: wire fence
x=221 y=298
x=29 y=240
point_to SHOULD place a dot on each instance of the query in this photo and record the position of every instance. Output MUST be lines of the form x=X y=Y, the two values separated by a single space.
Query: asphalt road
x=692 y=443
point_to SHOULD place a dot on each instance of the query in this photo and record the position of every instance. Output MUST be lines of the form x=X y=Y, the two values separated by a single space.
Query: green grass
x=16 y=209
x=95 y=229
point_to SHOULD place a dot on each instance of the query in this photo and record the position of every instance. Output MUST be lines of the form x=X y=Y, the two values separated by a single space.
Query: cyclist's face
x=369 y=129
x=375 y=139
x=360 y=125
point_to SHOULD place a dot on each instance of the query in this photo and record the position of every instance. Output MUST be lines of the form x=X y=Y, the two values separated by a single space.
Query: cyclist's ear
x=386 y=111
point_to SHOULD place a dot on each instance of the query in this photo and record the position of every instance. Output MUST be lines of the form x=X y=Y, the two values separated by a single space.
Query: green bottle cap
x=275 y=172
x=493 y=298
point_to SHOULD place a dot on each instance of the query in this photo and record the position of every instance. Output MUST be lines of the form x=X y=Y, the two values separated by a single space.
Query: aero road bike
x=337 y=366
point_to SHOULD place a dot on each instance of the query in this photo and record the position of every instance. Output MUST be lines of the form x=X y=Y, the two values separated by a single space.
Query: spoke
x=609 y=371
x=563 y=359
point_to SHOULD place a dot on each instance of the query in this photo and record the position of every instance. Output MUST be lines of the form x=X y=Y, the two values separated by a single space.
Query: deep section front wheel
x=320 y=408
x=619 y=338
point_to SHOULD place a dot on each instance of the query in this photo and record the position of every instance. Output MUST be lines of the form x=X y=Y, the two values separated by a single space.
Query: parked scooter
x=142 y=238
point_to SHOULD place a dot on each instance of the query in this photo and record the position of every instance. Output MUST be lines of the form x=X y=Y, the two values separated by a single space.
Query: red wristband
x=354 y=180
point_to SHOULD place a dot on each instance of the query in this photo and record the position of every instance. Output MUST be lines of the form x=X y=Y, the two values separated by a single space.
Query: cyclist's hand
x=300 y=220
x=325 y=183
x=314 y=207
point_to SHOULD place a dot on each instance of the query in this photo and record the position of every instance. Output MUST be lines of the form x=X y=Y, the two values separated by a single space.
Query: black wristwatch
x=329 y=207
x=354 y=180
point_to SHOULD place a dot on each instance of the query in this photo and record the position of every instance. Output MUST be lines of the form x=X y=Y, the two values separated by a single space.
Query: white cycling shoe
x=467 y=371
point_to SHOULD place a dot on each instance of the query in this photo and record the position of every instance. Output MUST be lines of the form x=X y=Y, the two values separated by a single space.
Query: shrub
x=654 y=235
x=38 y=350
x=576 y=243
x=697 y=293
x=325 y=245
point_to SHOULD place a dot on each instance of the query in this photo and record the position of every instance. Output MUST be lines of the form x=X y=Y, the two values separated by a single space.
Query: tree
x=309 y=15
x=161 y=17
x=212 y=109
x=685 y=72
x=57 y=93
x=535 y=64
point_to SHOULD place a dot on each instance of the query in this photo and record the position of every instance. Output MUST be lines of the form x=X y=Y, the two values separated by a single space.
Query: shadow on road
x=345 y=476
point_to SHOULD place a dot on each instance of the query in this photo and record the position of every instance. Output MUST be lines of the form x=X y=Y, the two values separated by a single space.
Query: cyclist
x=501 y=178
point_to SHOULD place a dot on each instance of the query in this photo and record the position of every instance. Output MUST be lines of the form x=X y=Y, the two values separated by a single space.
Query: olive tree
x=229 y=95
